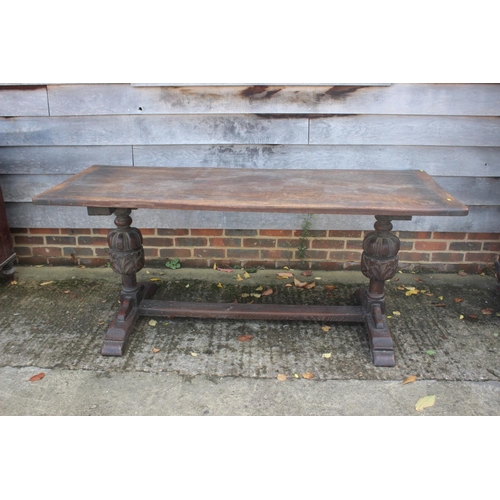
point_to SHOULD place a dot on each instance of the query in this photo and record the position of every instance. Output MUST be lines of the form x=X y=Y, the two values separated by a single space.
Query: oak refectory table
x=386 y=194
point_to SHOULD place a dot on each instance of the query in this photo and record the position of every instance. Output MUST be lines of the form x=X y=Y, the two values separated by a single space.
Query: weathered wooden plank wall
x=450 y=130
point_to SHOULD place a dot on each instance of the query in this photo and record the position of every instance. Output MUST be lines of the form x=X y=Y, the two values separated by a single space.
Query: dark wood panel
x=371 y=192
x=60 y=159
x=30 y=100
x=398 y=99
x=406 y=130
x=435 y=160
x=480 y=219
x=167 y=129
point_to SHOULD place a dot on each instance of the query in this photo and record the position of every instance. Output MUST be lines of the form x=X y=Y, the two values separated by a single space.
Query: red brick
x=60 y=240
x=158 y=242
x=447 y=257
x=47 y=252
x=345 y=234
x=207 y=232
x=491 y=246
x=238 y=253
x=342 y=256
x=209 y=253
x=313 y=254
x=481 y=257
x=483 y=236
x=33 y=261
x=78 y=251
x=414 y=235
x=276 y=254
x=101 y=252
x=150 y=252
x=414 y=257
x=75 y=231
x=148 y=232
x=258 y=242
x=38 y=230
x=286 y=243
x=430 y=245
x=311 y=233
x=328 y=265
x=241 y=232
x=180 y=253
x=18 y=230
x=93 y=240
x=448 y=236
x=190 y=242
x=328 y=244
x=225 y=242
x=172 y=232
x=25 y=251
x=28 y=240
x=101 y=230
x=465 y=245
x=275 y=232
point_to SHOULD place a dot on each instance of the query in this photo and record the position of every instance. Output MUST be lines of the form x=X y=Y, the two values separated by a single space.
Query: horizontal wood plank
x=24 y=101
x=435 y=160
x=395 y=99
x=469 y=190
x=406 y=130
x=480 y=219
x=60 y=159
x=168 y=129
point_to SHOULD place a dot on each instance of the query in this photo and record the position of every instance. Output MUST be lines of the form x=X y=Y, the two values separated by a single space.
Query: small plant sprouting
x=173 y=263
x=304 y=236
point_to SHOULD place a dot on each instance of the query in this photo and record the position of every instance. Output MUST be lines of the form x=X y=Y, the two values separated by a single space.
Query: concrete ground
x=52 y=321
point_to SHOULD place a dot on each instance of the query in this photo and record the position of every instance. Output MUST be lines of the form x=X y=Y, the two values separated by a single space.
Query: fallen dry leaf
x=440 y=305
x=194 y=354
x=256 y=295
x=46 y=283
x=396 y=313
x=409 y=379
x=487 y=310
x=472 y=316
x=307 y=375
x=401 y=287
x=269 y=291
x=425 y=402
x=245 y=295
x=155 y=350
x=418 y=280
x=440 y=297
x=154 y=279
x=152 y=322
x=306 y=273
x=462 y=273
x=412 y=292
x=299 y=284
x=223 y=270
x=326 y=355
x=13 y=282
x=239 y=278
x=37 y=377
x=461 y=316
x=259 y=289
x=246 y=275
x=326 y=328
x=219 y=285
x=281 y=377
x=310 y=285
x=284 y=276
x=458 y=300
x=330 y=287
x=67 y=291
x=245 y=338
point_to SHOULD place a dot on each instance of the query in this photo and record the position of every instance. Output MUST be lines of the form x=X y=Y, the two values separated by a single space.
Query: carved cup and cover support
x=379 y=262
x=126 y=256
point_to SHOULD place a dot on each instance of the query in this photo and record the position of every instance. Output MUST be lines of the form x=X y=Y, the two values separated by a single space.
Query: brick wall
x=329 y=250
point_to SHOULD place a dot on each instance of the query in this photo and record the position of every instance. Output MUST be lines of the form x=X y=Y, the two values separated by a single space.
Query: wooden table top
x=356 y=192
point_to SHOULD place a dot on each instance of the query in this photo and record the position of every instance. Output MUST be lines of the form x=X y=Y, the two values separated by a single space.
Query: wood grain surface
x=370 y=192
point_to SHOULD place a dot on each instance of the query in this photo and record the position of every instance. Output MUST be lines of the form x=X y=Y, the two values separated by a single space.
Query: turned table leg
x=379 y=262
x=126 y=256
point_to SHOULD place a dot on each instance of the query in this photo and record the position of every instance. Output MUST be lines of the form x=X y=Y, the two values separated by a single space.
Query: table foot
x=123 y=323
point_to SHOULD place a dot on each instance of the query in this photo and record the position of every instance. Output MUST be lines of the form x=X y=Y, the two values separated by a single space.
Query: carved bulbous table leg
x=379 y=263
x=126 y=256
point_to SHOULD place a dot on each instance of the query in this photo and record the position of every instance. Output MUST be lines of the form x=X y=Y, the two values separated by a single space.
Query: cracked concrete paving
x=186 y=366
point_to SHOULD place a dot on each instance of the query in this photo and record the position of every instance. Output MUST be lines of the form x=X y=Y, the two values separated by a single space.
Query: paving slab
x=54 y=318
